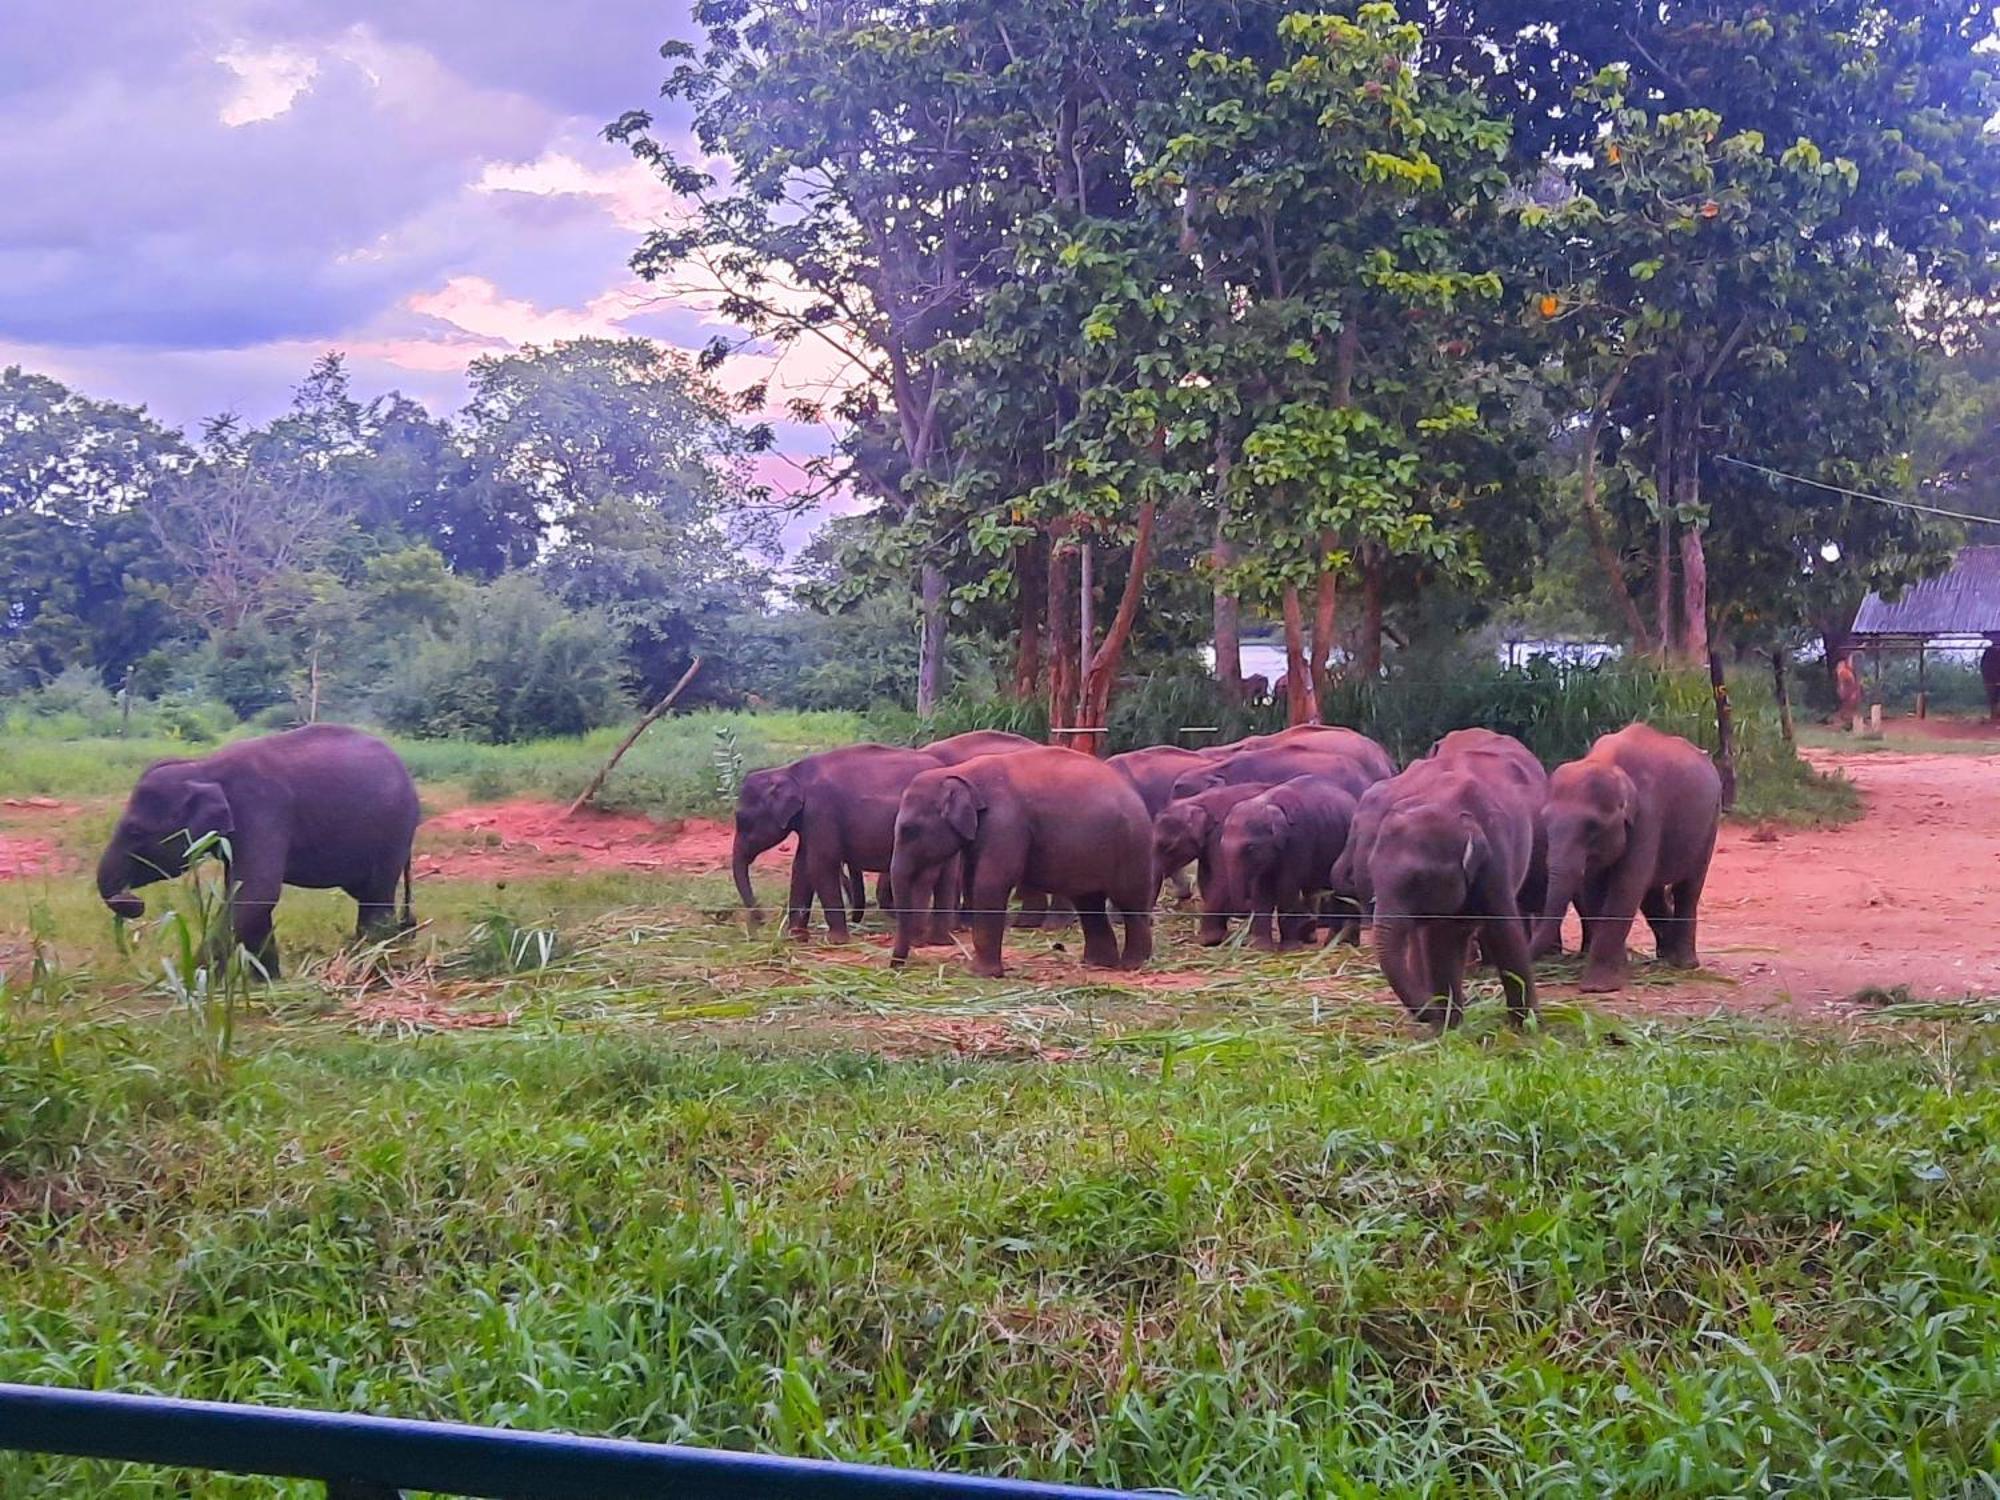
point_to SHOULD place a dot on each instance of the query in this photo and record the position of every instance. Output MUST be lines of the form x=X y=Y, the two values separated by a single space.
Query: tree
x=1344 y=206
x=853 y=216
x=84 y=585
x=636 y=472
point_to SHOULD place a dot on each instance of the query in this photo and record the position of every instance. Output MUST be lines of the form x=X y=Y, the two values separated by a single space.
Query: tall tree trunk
x=1086 y=624
x=1299 y=705
x=1694 y=571
x=1593 y=522
x=1663 y=485
x=1325 y=597
x=930 y=649
x=1031 y=577
x=1102 y=674
x=1061 y=637
x=1374 y=568
x=1222 y=557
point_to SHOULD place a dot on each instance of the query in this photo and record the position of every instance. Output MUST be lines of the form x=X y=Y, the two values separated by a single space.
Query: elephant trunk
x=908 y=880
x=1565 y=880
x=115 y=886
x=741 y=853
x=1400 y=952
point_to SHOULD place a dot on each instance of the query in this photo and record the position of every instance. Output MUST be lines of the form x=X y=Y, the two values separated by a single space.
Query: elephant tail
x=409 y=915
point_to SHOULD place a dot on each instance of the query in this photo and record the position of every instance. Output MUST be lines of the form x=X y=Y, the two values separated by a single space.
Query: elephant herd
x=1473 y=850
x=1308 y=832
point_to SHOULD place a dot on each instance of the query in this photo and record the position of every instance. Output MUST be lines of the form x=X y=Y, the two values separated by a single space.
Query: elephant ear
x=962 y=803
x=788 y=799
x=206 y=811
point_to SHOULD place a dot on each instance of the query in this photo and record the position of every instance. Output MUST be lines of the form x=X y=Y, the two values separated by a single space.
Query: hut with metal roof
x=1954 y=613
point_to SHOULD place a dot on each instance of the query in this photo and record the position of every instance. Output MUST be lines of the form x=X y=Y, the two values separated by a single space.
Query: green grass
x=680 y=766
x=1226 y=1250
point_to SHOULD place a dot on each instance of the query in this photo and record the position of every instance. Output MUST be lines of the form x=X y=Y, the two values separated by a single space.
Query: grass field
x=1226 y=1227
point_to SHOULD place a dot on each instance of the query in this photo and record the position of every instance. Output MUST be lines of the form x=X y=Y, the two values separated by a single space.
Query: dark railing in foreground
x=375 y=1458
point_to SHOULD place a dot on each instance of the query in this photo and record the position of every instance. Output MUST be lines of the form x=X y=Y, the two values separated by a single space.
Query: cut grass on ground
x=1235 y=1253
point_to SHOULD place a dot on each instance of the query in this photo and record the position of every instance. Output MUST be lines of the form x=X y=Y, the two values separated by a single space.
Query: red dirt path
x=25 y=854
x=501 y=840
x=1909 y=895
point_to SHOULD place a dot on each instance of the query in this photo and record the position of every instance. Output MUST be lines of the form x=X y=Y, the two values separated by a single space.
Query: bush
x=517 y=665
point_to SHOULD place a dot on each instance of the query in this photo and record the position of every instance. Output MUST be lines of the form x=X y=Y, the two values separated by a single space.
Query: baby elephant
x=1049 y=820
x=1448 y=864
x=1186 y=831
x=1277 y=852
x=1631 y=828
x=321 y=807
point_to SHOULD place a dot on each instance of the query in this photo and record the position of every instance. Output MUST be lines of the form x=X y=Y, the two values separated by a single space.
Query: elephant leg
x=253 y=884
x=826 y=872
x=1034 y=910
x=1100 y=944
x=946 y=898
x=375 y=904
x=857 y=893
x=1607 y=924
x=1445 y=946
x=1658 y=911
x=1138 y=933
x=1262 y=910
x=989 y=897
x=1677 y=945
x=1506 y=945
x=1214 y=927
x=799 y=904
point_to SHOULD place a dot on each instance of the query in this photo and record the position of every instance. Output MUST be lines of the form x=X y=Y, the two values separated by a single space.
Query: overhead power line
x=1838 y=489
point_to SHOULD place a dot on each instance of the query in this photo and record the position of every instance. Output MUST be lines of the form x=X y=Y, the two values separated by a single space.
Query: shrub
x=516 y=665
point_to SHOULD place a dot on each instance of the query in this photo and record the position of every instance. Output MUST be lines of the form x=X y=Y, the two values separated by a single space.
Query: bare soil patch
x=30 y=841
x=503 y=840
x=1907 y=896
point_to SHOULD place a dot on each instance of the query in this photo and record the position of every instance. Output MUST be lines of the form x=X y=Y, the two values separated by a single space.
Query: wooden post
x=125 y=704
x=312 y=702
x=1725 y=730
x=1783 y=695
x=597 y=781
x=1923 y=695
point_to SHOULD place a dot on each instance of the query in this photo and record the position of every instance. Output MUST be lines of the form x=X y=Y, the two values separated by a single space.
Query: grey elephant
x=1448 y=865
x=1052 y=820
x=1185 y=832
x=1631 y=828
x=323 y=807
x=1276 y=853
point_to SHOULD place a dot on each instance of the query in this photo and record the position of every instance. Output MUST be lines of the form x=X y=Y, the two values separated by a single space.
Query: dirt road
x=1908 y=896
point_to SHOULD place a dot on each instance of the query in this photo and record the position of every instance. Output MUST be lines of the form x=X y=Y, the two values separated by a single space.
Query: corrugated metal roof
x=1963 y=600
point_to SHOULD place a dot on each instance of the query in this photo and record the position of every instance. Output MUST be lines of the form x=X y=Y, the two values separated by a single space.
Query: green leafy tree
x=84 y=582
x=637 y=474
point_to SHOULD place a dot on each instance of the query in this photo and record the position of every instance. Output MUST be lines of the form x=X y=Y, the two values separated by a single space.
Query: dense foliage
x=1341 y=312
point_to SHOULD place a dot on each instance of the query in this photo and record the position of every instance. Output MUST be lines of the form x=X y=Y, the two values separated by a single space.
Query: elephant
x=1449 y=861
x=1053 y=820
x=1500 y=758
x=1631 y=828
x=323 y=807
x=1154 y=770
x=1301 y=733
x=1354 y=760
x=1185 y=831
x=1276 y=852
x=842 y=805
x=975 y=742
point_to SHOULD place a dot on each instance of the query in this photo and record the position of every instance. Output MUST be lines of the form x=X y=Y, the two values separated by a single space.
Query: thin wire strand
x=1841 y=489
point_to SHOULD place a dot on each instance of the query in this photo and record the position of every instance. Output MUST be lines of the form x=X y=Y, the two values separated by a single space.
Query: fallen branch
x=597 y=781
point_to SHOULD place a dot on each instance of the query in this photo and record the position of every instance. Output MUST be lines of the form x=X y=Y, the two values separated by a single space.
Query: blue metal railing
x=375 y=1458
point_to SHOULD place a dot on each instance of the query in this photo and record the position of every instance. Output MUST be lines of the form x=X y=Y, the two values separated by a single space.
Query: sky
x=201 y=196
